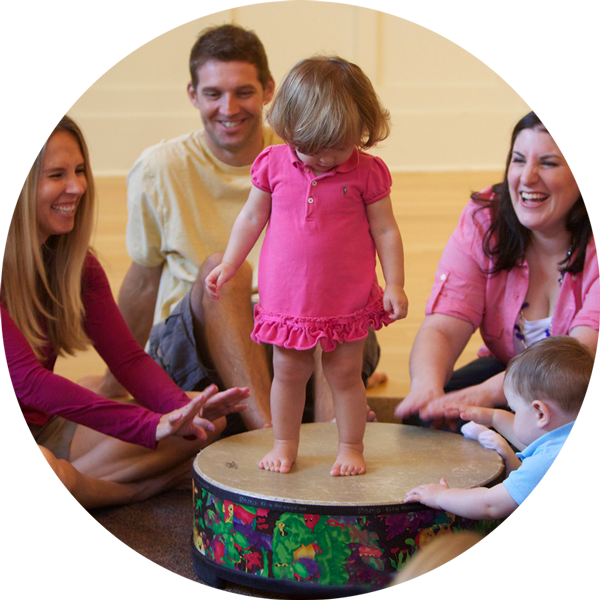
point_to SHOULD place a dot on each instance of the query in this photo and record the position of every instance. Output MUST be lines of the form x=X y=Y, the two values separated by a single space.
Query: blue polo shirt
x=559 y=483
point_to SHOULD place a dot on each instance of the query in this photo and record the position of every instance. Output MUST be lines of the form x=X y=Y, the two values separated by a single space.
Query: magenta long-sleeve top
x=42 y=393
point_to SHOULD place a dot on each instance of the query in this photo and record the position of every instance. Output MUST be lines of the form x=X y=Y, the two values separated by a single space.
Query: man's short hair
x=557 y=368
x=229 y=43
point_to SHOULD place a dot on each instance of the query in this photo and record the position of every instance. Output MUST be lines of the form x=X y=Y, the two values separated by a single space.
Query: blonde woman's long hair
x=41 y=285
x=467 y=566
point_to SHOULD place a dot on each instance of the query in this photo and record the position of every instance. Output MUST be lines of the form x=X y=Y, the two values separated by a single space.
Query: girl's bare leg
x=342 y=368
x=292 y=370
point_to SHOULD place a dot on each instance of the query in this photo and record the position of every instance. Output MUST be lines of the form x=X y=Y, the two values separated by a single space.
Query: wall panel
x=449 y=111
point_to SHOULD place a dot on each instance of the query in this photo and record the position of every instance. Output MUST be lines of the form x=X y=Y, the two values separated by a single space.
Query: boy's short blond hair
x=326 y=102
x=557 y=368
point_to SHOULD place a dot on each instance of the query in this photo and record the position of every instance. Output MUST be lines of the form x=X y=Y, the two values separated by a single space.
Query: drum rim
x=316 y=508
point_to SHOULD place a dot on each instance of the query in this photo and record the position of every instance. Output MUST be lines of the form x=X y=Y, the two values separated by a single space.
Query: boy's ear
x=543 y=413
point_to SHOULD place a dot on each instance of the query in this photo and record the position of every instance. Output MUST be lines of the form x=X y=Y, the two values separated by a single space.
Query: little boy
x=545 y=386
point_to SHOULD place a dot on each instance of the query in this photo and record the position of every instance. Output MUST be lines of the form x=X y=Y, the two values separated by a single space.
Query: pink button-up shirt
x=492 y=304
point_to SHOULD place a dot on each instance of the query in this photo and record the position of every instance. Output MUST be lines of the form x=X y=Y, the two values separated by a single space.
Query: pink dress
x=317 y=278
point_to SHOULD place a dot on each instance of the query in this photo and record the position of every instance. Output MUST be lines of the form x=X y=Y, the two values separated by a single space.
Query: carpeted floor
x=130 y=552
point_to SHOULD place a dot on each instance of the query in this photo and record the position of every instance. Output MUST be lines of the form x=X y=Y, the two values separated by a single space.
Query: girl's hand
x=217 y=278
x=395 y=302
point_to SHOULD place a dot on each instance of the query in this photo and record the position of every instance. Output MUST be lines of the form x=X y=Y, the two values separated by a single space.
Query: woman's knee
x=39 y=476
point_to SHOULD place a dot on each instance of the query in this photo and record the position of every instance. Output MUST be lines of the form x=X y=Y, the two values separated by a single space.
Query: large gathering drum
x=308 y=534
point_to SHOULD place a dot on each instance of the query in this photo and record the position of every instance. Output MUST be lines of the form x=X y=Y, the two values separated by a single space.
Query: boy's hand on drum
x=217 y=278
x=219 y=404
x=427 y=494
x=395 y=302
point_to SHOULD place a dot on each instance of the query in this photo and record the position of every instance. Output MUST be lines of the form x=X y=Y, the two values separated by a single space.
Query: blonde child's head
x=556 y=369
x=328 y=103
x=467 y=566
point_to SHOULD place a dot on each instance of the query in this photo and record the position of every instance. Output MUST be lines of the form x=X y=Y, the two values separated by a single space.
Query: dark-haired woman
x=520 y=266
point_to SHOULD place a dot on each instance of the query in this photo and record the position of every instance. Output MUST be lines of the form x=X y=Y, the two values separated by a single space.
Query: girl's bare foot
x=349 y=461
x=281 y=458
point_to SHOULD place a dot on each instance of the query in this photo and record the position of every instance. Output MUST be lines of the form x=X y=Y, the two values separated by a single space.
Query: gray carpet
x=131 y=552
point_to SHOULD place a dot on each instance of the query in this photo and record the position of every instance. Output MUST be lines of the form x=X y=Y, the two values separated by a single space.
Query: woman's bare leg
x=342 y=368
x=100 y=456
x=105 y=472
x=45 y=487
x=292 y=370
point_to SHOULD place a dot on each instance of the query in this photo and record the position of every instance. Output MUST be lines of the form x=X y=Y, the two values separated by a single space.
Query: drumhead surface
x=399 y=457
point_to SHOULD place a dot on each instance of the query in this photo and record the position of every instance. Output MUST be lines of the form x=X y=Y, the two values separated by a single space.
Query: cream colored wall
x=450 y=112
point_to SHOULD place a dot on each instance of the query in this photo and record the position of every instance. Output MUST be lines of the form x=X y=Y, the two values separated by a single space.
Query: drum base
x=309 y=535
x=217 y=577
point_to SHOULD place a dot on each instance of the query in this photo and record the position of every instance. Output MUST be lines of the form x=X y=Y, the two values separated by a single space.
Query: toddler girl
x=329 y=210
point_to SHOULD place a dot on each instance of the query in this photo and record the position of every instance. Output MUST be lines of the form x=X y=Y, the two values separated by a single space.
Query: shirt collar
x=350 y=164
x=559 y=434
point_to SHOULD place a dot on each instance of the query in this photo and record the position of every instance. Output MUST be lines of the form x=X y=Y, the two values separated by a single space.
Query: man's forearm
x=137 y=299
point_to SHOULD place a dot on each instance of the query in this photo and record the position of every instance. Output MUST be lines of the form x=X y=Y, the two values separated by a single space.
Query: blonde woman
x=467 y=566
x=56 y=300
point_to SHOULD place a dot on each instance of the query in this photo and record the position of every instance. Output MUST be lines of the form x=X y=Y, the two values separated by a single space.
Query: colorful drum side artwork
x=313 y=535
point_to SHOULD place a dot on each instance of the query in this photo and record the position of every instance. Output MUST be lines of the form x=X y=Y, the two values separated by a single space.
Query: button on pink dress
x=317 y=278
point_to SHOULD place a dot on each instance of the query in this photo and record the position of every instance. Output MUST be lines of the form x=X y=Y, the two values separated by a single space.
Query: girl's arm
x=246 y=231
x=475 y=503
x=388 y=242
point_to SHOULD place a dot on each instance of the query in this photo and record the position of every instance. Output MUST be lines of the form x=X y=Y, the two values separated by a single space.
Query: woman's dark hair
x=506 y=239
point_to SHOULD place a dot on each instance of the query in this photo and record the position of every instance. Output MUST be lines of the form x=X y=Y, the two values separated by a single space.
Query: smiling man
x=183 y=196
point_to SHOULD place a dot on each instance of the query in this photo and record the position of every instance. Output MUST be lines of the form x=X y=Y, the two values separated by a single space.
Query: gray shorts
x=56 y=435
x=173 y=346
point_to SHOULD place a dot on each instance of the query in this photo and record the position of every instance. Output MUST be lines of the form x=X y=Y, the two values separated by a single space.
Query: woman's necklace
x=520 y=324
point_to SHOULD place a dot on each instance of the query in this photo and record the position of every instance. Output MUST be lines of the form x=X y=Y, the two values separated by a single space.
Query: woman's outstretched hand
x=194 y=419
x=439 y=408
x=220 y=404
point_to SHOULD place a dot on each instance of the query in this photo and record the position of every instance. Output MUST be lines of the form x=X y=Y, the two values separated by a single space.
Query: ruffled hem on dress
x=304 y=333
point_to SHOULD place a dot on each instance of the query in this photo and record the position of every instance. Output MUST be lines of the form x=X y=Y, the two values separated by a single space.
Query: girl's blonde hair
x=328 y=102
x=467 y=566
x=44 y=283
